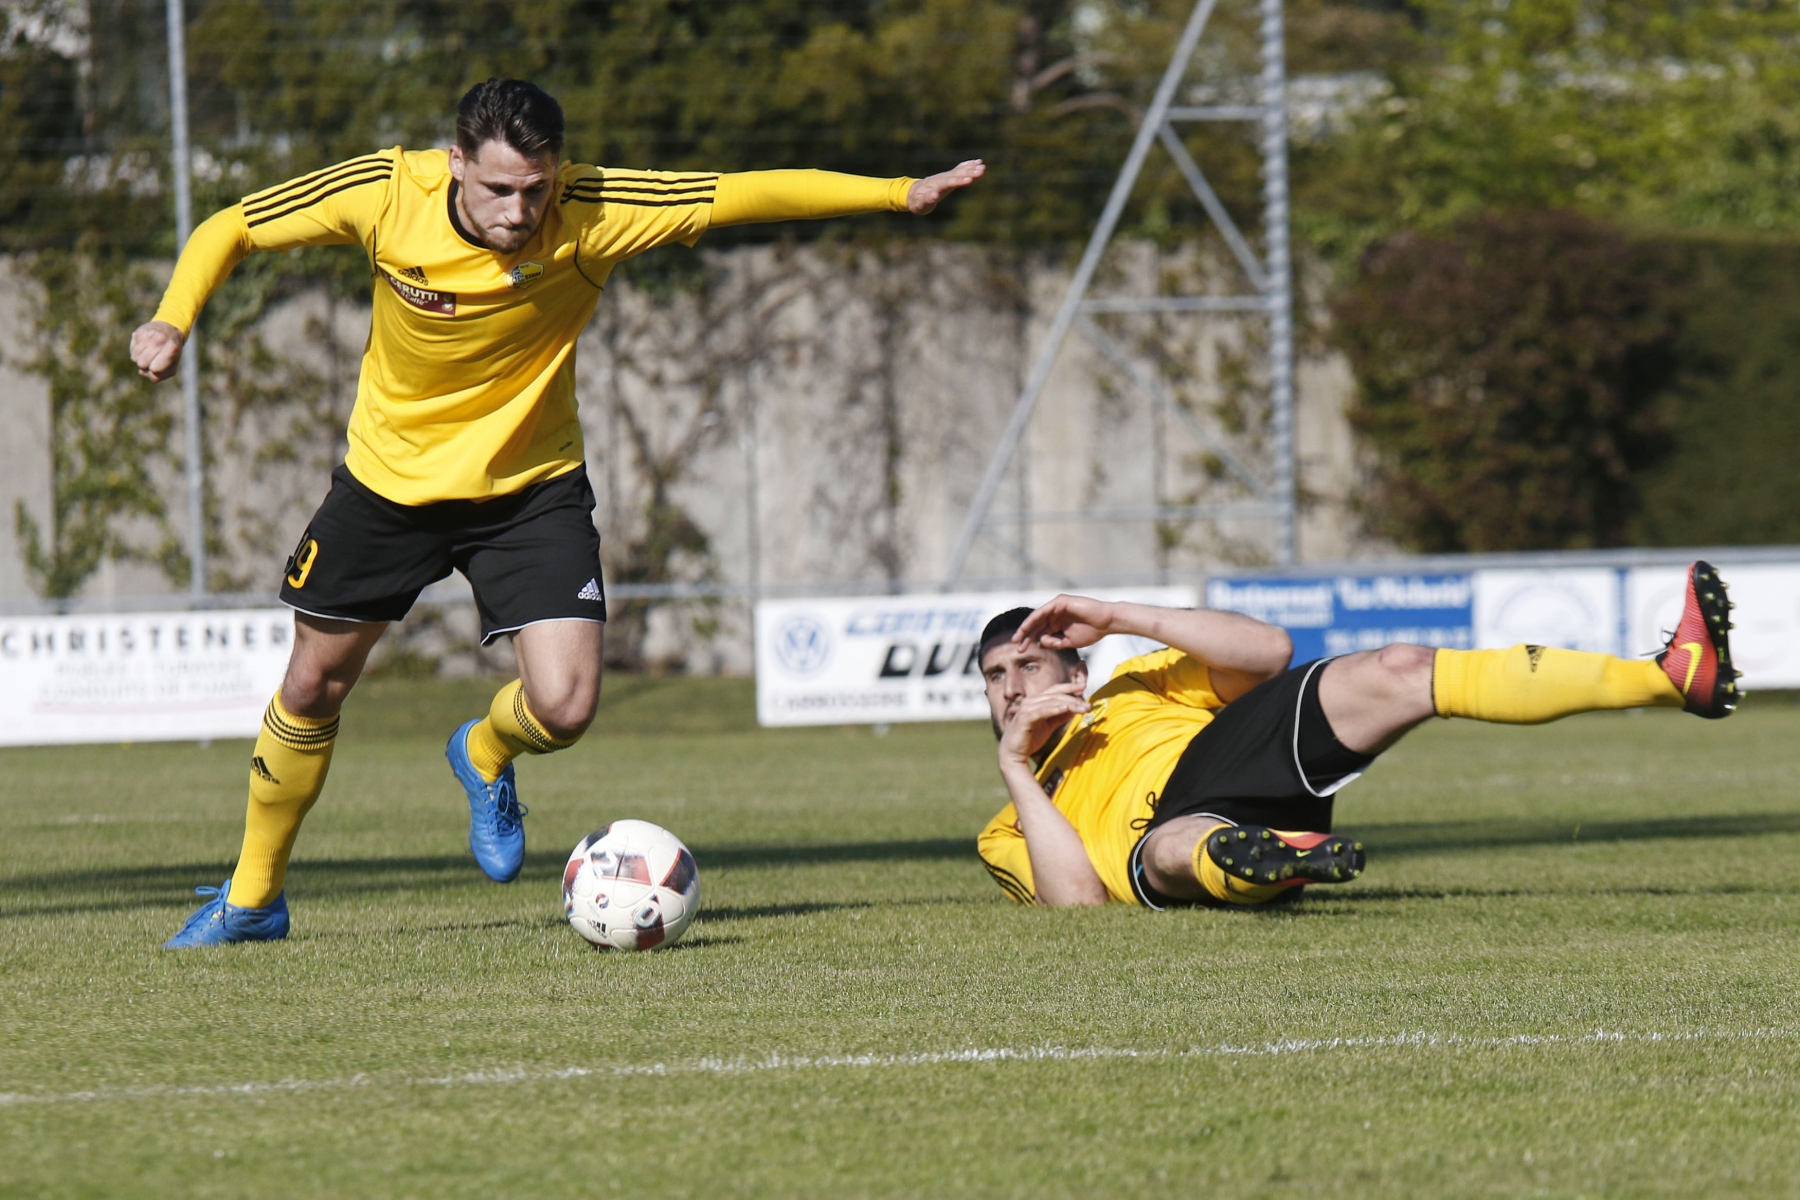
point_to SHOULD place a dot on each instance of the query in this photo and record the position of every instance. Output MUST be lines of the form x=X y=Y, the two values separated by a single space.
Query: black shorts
x=1269 y=758
x=531 y=556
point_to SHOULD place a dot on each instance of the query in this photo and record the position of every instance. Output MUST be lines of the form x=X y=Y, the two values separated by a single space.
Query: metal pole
x=1279 y=284
x=1084 y=273
x=182 y=170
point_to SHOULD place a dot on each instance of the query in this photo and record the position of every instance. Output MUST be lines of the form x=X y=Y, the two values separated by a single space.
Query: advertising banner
x=1766 y=643
x=1574 y=609
x=1627 y=611
x=140 y=677
x=878 y=659
x=1340 y=614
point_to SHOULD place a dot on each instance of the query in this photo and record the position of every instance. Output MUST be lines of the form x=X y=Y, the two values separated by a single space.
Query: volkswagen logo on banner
x=803 y=644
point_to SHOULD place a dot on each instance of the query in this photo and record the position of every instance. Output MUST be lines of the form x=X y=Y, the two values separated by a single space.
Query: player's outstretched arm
x=1240 y=651
x=1060 y=866
x=332 y=207
x=220 y=244
x=754 y=197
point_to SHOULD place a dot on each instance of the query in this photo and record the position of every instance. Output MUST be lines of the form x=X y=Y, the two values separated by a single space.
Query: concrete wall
x=818 y=414
x=25 y=418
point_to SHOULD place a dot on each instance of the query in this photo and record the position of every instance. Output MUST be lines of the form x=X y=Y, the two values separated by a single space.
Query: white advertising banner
x=1626 y=610
x=876 y=659
x=1575 y=609
x=1765 y=646
x=140 y=677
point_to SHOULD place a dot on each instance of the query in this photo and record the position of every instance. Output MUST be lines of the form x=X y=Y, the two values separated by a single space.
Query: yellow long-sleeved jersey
x=1110 y=765
x=468 y=382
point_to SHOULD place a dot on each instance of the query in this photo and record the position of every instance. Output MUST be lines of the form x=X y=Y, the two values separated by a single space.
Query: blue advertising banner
x=1345 y=613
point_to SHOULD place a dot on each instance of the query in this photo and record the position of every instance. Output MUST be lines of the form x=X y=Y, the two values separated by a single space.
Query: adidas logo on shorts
x=590 y=592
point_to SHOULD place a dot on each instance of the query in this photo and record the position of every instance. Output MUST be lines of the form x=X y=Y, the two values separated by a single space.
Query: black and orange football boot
x=1697 y=656
x=1251 y=865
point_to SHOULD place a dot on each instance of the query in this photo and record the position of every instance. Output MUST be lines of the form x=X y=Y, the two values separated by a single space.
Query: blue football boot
x=219 y=922
x=496 y=818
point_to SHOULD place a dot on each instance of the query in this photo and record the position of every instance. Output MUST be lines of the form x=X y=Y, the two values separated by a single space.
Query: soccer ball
x=631 y=886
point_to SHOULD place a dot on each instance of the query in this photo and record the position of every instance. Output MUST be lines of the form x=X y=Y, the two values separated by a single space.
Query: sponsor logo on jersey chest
x=442 y=303
x=525 y=274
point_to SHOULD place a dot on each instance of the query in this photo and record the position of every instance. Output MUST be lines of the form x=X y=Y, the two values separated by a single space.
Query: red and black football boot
x=1253 y=855
x=1697 y=656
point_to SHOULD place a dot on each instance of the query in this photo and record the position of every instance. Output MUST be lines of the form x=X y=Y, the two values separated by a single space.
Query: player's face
x=1015 y=673
x=503 y=193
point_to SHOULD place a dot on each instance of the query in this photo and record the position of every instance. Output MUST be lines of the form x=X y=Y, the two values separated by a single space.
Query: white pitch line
x=776 y=1061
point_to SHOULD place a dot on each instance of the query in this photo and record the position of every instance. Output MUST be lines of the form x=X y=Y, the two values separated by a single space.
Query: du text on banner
x=875 y=659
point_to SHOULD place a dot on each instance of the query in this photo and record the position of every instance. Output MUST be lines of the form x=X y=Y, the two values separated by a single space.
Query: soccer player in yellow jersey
x=1204 y=774
x=464 y=448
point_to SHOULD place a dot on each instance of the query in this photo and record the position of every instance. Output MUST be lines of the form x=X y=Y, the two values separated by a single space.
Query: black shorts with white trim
x=1269 y=758
x=529 y=557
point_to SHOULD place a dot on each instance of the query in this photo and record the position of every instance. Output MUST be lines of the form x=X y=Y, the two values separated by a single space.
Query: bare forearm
x=1060 y=866
x=1223 y=640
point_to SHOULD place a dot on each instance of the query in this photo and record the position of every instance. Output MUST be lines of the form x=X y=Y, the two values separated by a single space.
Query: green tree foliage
x=1509 y=373
x=40 y=128
x=1672 y=115
x=1048 y=91
x=1730 y=478
x=1496 y=421
x=1680 y=113
x=857 y=85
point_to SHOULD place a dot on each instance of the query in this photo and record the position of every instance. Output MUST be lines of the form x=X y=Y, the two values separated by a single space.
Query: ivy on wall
x=110 y=433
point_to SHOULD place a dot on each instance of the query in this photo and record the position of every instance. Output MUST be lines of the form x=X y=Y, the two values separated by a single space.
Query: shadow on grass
x=758 y=912
x=172 y=886
x=1448 y=837
x=548 y=922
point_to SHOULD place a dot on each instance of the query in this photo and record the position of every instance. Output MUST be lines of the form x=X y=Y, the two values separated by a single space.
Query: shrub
x=1508 y=378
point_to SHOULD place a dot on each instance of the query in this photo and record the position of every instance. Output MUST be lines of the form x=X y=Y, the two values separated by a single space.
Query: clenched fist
x=156 y=350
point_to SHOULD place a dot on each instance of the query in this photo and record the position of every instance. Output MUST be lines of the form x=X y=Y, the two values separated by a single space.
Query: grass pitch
x=1570 y=970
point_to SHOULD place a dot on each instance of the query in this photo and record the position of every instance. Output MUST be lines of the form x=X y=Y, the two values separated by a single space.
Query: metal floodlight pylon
x=1271 y=278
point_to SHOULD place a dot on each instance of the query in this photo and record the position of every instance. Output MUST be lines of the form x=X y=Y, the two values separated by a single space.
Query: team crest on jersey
x=443 y=303
x=525 y=274
x=416 y=274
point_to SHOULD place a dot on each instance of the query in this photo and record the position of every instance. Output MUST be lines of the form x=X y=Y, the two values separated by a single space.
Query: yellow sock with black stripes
x=508 y=731
x=1528 y=685
x=287 y=769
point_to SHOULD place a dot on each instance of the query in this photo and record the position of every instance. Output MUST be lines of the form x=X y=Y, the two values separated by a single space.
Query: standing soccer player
x=465 y=451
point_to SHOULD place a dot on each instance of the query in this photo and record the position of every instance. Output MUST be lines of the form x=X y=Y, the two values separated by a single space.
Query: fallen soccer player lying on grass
x=1204 y=774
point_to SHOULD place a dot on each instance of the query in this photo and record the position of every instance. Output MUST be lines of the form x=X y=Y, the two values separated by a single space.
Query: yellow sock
x=508 y=731
x=1221 y=886
x=1528 y=685
x=287 y=769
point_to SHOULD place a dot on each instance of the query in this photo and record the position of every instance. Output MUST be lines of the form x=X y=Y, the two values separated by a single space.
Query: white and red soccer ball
x=631 y=886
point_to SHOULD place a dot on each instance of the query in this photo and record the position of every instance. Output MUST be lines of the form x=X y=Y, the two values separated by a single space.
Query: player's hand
x=1036 y=718
x=1067 y=623
x=926 y=193
x=156 y=350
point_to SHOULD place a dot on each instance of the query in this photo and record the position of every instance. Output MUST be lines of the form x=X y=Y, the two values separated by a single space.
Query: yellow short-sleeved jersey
x=1109 y=767
x=468 y=384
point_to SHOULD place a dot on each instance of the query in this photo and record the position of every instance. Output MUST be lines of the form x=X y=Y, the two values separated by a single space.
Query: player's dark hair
x=1001 y=629
x=521 y=114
